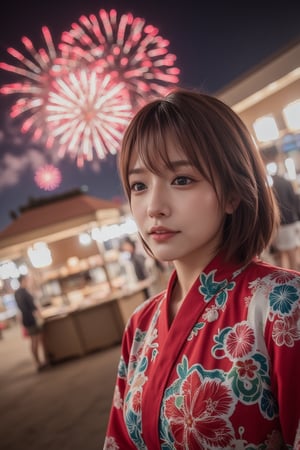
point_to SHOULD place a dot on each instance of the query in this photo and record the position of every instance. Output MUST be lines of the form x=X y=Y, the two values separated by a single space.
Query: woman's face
x=177 y=211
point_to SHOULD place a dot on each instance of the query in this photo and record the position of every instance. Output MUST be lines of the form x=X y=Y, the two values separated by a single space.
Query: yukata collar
x=218 y=267
x=206 y=297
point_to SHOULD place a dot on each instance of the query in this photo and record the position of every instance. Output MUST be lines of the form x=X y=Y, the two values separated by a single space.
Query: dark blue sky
x=215 y=43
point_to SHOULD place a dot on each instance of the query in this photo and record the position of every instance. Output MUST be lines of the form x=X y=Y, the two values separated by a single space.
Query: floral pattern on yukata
x=198 y=406
x=144 y=348
x=249 y=375
x=282 y=291
x=196 y=409
x=110 y=443
x=285 y=312
x=211 y=289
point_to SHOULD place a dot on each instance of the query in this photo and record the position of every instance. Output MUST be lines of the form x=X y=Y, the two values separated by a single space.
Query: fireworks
x=36 y=72
x=88 y=112
x=48 y=177
x=82 y=94
x=129 y=48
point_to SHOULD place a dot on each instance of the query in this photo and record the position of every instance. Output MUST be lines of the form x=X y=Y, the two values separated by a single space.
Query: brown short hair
x=217 y=142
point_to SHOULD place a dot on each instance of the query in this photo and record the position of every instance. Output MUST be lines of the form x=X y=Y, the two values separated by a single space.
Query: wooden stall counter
x=92 y=325
x=98 y=325
x=130 y=300
x=61 y=338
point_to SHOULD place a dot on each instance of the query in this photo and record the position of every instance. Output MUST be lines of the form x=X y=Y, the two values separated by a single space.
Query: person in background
x=138 y=261
x=286 y=241
x=212 y=361
x=31 y=319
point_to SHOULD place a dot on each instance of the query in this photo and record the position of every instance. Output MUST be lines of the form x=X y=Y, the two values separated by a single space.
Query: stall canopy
x=55 y=218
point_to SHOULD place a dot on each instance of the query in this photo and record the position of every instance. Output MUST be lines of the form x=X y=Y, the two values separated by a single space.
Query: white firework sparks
x=88 y=113
x=81 y=96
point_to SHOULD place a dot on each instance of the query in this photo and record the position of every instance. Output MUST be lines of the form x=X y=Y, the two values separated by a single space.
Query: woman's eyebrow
x=180 y=163
x=173 y=164
x=137 y=170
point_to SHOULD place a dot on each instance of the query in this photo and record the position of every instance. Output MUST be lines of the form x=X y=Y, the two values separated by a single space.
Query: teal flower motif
x=246 y=389
x=282 y=299
x=269 y=405
x=210 y=288
x=122 y=368
x=134 y=427
x=250 y=383
x=222 y=296
x=218 y=350
x=196 y=330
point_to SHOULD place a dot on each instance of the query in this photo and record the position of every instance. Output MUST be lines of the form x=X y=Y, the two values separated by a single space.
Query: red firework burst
x=129 y=48
x=35 y=68
x=81 y=95
x=48 y=177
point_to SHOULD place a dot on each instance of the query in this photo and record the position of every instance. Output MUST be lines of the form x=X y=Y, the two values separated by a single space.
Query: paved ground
x=63 y=408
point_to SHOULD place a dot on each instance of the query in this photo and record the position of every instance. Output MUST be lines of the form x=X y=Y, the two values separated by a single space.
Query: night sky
x=215 y=43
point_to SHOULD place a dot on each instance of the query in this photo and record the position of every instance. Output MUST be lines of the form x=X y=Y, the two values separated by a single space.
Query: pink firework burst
x=88 y=113
x=128 y=48
x=81 y=96
x=48 y=177
x=36 y=72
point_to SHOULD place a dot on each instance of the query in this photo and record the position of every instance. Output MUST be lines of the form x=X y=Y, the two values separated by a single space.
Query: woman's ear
x=232 y=203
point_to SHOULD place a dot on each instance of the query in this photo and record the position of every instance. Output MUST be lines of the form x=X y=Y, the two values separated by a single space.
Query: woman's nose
x=158 y=203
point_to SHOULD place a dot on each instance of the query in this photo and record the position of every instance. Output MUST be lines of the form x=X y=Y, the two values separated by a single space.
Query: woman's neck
x=186 y=276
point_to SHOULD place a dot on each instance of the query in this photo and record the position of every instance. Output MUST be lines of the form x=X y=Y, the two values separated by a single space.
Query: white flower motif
x=118 y=401
x=110 y=444
x=211 y=314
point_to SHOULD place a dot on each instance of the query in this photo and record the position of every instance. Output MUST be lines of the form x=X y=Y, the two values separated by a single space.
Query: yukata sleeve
x=116 y=434
x=283 y=342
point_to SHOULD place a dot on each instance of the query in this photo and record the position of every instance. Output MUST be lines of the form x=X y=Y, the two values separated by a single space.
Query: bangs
x=153 y=144
x=161 y=128
x=156 y=128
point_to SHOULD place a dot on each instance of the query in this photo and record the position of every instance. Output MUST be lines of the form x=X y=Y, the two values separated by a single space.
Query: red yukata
x=223 y=375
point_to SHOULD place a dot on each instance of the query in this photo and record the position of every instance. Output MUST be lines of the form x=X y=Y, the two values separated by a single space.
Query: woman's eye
x=182 y=181
x=137 y=187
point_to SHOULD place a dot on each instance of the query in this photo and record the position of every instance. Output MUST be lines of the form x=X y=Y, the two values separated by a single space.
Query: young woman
x=213 y=361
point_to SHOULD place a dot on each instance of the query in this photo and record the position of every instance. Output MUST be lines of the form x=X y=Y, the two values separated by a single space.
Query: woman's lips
x=160 y=234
